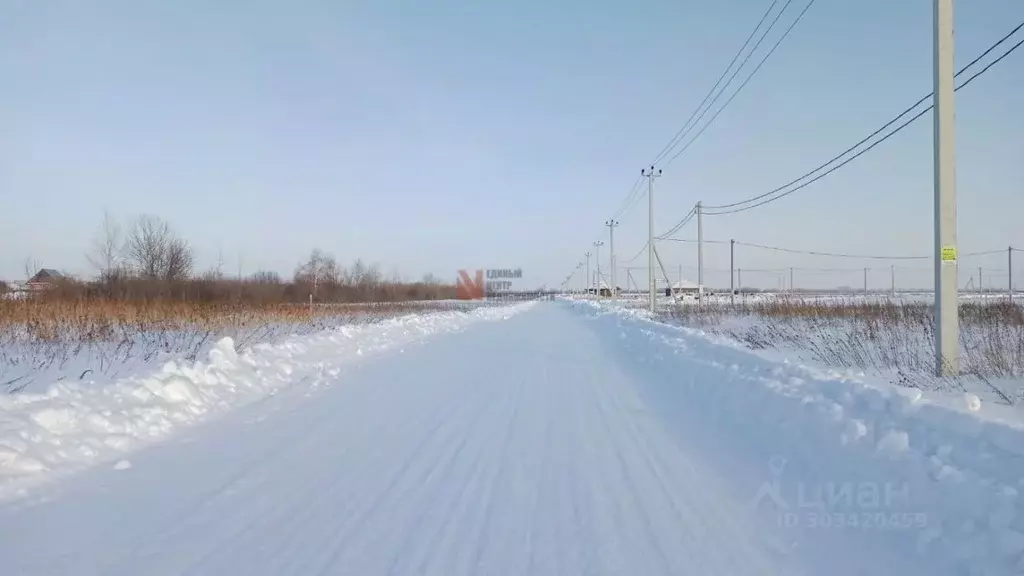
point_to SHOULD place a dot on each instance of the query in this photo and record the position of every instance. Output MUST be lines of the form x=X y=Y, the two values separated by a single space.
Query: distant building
x=684 y=287
x=45 y=279
x=602 y=288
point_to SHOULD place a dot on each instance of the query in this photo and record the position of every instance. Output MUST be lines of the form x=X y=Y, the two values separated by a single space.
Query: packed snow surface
x=567 y=439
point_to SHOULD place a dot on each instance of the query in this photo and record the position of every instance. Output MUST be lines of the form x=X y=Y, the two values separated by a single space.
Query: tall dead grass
x=71 y=339
x=884 y=336
x=102 y=320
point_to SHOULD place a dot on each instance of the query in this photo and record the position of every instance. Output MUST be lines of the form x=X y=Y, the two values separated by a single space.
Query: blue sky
x=429 y=137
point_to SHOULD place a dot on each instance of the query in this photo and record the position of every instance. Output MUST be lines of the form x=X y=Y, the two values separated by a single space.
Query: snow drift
x=74 y=424
x=833 y=455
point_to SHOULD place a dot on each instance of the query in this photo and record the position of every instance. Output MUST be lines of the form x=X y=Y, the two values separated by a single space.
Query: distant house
x=602 y=288
x=685 y=287
x=44 y=279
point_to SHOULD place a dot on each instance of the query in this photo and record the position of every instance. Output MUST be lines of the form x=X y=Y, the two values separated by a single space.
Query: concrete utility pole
x=587 y=281
x=611 y=224
x=597 y=261
x=979 y=280
x=865 y=281
x=650 y=174
x=732 y=272
x=1009 y=269
x=792 y=288
x=700 y=255
x=947 y=324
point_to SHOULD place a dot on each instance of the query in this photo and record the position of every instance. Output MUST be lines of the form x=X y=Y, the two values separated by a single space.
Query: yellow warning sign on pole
x=949 y=253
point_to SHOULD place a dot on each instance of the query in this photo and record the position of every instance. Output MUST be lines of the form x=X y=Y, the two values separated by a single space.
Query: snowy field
x=567 y=437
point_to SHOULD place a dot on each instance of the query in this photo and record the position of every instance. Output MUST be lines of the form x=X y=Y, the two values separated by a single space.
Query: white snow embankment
x=75 y=424
x=939 y=476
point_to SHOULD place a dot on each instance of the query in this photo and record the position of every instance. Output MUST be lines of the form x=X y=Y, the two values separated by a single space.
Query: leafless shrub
x=883 y=336
x=178 y=260
x=266 y=277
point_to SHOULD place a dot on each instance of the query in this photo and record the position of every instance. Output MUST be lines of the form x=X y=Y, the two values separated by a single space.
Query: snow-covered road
x=547 y=443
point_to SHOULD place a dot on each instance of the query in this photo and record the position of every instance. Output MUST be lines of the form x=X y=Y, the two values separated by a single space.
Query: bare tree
x=146 y=246
x=321 y=268
x=32 y=266
x=156 y=252
x=266 y=277
x=373 y=275
x=107 y=247
x=178 y=260
x=361 y=274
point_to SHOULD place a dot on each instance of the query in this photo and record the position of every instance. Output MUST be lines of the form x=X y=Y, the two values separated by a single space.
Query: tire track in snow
x=638 y=507
x=296 y=508
x=349 y=519
x=430 y=551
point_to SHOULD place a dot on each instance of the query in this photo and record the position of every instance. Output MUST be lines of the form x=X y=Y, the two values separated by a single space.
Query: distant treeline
x=148 y=260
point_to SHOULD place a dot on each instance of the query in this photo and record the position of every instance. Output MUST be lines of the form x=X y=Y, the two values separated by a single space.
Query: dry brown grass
x=882 y=336
x=101 y=320
x=70 y=339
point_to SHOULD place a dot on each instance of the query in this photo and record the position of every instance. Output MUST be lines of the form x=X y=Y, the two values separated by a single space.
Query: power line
x=768 y=196
x=631 y=197
x=692 y=241
x=831 y=254
x=985 y=253
x=641 y=251
x=684 y=130
x=738 y=90
x=679 y=225
x=636 y=200
x=856 y=256
x=636 y=191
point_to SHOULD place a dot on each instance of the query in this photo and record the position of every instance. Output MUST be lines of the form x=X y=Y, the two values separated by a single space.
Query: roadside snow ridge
x=75 y=423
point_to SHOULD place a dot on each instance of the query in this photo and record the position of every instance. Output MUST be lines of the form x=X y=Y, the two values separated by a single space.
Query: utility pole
x=611 y=224
x=792 y=288
x=865 y=281
x=587 y=281
x=597 y=260
x=947 y=324
x=892 y=271
x=732 y=272
x=700 y=255
x=1009 y=269
x=979 y=281
x=651 y=285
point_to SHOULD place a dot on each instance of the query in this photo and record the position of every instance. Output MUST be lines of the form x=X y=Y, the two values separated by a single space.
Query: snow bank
x=30 y=364
x=945 y=473
x=74 y=424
